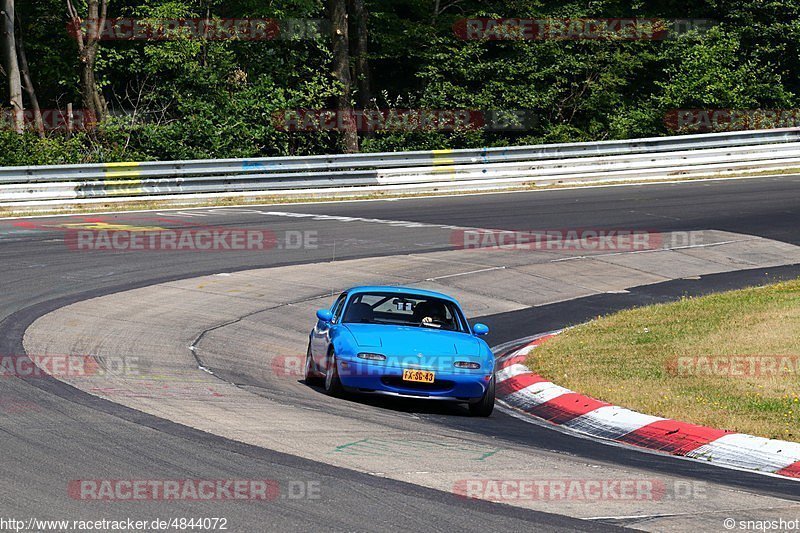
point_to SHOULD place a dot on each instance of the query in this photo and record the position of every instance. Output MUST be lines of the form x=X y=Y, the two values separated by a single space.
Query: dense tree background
x=189 y=98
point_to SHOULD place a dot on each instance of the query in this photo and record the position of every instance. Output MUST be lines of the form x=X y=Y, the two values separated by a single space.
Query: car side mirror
x=480 y=329
x=324 y=315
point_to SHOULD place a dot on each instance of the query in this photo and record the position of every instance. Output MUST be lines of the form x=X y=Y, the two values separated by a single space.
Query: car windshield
x=405 y=310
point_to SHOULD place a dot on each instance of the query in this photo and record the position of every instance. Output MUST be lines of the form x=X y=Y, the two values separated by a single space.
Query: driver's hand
x=428 y=321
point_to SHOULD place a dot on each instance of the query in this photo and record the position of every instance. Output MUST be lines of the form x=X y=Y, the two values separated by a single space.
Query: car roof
x=400 y=290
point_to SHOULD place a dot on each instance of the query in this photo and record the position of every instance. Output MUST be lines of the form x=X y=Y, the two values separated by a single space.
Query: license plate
x=422 y=376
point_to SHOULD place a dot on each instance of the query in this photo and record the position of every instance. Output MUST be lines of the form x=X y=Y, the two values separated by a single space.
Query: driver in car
x=433 y=314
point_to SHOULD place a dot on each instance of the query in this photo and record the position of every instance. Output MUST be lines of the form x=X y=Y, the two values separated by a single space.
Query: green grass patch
x=705 y=360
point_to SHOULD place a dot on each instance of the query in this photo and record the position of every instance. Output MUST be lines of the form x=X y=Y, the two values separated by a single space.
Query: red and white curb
x=526 y=391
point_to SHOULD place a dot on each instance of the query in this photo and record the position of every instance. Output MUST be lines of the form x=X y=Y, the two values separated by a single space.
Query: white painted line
x=185 y=214
x=466 y=273
x=525 y=350
x=389 y=222
x=535 y=395
x=749 y=451
x=611 y=422
x=511 y=371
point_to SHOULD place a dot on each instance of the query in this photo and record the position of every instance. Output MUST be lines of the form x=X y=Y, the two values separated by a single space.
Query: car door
x=321 y=336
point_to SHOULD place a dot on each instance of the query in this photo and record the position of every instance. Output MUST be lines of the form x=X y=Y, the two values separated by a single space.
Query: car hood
x=408 y=340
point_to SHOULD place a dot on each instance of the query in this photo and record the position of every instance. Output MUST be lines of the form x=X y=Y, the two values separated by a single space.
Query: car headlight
x=467 y=364
x=372 y=356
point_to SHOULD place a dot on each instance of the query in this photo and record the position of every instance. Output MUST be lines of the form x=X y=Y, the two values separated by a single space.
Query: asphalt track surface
x=65 y=434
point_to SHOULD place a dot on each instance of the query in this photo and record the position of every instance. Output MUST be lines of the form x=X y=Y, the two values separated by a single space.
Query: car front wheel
x=485 y=405
x=333 y=385
x=310 y=374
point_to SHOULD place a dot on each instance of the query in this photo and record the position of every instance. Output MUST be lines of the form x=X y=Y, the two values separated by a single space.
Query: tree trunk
x=361 y=19
x=341 y=71
x=88 y=43
x=11 y=65
x=27 y=82
x=435 y=11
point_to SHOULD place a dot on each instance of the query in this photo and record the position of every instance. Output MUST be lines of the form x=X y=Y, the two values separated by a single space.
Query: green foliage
x=29 y=149
x=192 y=98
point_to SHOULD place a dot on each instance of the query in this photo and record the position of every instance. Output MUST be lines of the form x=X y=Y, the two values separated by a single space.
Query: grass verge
x=728 y=360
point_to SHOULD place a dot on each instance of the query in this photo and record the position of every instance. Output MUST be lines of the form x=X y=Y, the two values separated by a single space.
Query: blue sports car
x=404 y=342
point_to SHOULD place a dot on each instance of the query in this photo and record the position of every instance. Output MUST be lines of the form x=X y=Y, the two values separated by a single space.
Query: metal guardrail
x=660 y=157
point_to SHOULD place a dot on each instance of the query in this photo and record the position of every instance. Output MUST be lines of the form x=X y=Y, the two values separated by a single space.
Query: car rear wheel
x=485 y=405
x=333 y=385
x=310 y=374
